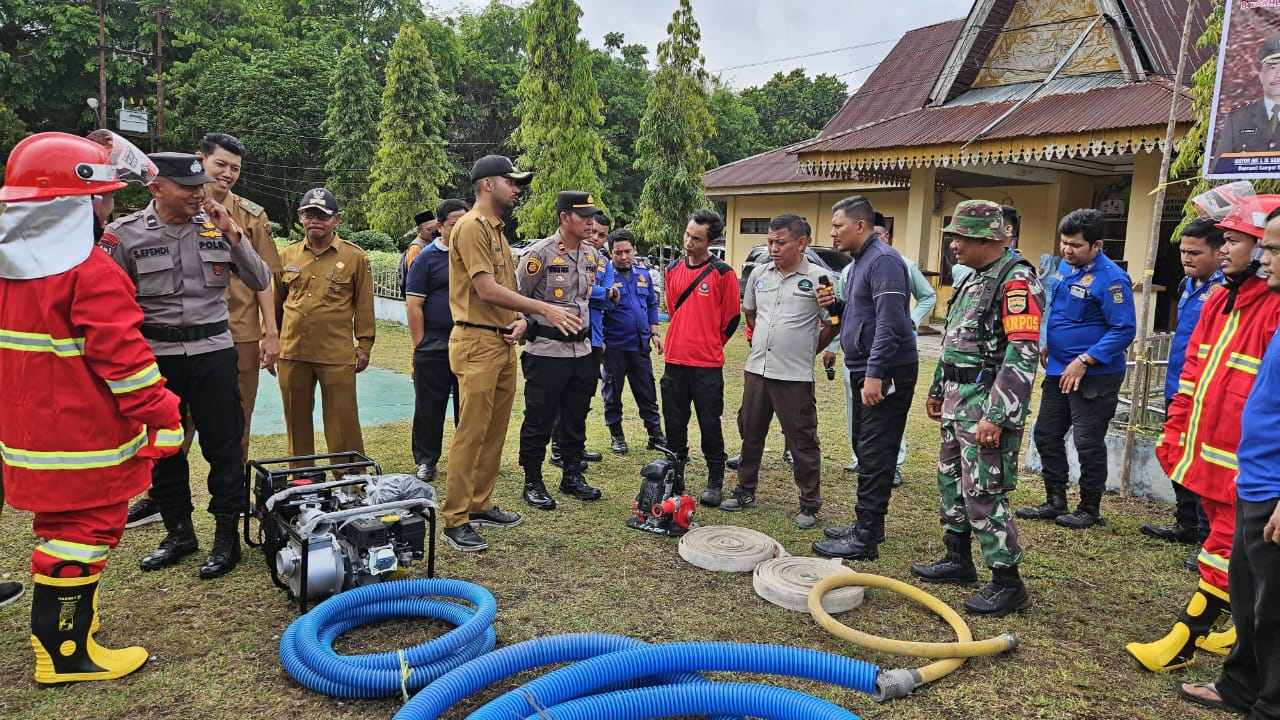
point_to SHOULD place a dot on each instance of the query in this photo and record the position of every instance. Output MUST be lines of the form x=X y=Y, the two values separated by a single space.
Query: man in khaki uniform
x=486 y=324
x=325 y=292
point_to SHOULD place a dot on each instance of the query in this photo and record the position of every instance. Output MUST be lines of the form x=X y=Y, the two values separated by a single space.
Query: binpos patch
x=532 y=266
x=1021 y=314
x=108 y=242
x=1117 y=294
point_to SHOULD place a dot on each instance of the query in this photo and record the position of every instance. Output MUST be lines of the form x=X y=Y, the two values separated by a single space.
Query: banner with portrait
x=1244 y=136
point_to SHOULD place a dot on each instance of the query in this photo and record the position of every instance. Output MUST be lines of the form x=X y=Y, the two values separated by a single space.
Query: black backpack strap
x=711 y=265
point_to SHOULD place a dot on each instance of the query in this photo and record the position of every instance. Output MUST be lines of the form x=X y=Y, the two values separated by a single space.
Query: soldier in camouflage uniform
x=980 y=393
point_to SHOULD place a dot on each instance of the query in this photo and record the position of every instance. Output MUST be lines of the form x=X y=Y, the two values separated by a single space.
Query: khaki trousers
x=337 y=396
x=486 y=368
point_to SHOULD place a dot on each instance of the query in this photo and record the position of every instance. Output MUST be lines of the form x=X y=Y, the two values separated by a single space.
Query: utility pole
x=102 y=66
x=160 y=13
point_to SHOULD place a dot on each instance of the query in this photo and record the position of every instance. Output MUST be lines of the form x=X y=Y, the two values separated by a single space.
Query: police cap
x=182 y=168
x=574 y=201
x=1269 y=51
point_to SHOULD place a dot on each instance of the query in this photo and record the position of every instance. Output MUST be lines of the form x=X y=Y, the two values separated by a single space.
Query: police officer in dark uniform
x=560 y=369
x=180 y=252
x=1256 y=126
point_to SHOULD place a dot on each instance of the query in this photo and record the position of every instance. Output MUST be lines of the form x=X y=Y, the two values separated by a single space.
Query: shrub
x=372 y=240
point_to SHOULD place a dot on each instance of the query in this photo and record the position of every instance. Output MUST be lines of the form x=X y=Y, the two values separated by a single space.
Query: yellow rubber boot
x=63 y=617
x=1219 y=643
x=1207 y=608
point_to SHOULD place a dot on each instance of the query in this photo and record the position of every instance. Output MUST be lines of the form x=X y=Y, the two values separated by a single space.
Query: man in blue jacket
x=1091 y=324
x=879 y=343
x=630 y=329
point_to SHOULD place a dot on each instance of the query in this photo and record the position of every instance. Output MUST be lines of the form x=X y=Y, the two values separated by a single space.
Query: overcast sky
x=748 y=32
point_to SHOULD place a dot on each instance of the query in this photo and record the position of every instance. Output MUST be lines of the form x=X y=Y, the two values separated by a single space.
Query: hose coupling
x=893 y=684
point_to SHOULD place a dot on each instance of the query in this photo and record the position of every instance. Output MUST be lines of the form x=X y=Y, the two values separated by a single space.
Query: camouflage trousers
x=972 y=486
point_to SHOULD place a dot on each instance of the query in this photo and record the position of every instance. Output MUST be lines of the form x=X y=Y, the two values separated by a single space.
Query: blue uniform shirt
x=1190 y=302
x=1259 y=478
x=1091 y=311
x=627 y=324
x=598 y=304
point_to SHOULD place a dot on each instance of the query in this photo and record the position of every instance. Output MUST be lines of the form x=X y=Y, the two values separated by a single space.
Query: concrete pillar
x=915 y=236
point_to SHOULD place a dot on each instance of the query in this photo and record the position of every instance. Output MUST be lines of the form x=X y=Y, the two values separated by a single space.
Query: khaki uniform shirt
x=242 y=302
x=552 y=274
x=322 y=301
x=182 y=272
x=478 y=246
x=788 y=321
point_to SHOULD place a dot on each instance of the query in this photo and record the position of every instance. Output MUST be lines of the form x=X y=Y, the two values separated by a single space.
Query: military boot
x=535 y=493
x=63 y=618
x=956 y=566
x=617 y=440
x=177 y=544
x=1209 y=607
x=226 y=547
x=1054 y=505
x=575 y=485
x=860 y=544
x=656 y=438
x=556 y=458
x=1086 y=514
x=713 y=494
x=1005 y=594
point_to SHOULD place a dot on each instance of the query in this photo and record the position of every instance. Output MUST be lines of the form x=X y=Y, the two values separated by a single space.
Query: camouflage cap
x=978 y=219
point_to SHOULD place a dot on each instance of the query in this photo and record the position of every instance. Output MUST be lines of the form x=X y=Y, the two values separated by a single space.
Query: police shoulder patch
x=532 y=266
x=108 y=242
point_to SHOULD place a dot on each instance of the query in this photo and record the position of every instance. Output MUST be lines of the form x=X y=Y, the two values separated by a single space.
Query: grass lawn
x=578 y=569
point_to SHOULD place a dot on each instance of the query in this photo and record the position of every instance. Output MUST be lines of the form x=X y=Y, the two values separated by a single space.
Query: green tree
x=411 y=164
x=560 y=114
x=673 y=133
x=12 y=131
x=622 y=74
x=350 y=132
x=284 y=151
x=792 y=107
x=738 y=133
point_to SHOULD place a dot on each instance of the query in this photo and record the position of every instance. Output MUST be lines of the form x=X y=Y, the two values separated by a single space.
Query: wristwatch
x=1084 y=359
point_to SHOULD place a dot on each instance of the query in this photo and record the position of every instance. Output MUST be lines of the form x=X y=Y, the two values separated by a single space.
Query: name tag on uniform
x=558 y=269
x=1079 y=292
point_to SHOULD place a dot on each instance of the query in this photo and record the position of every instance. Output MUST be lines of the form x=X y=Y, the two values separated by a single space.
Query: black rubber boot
x=1054 y=505
x=862 y=543
x=179 y=543
x=617 y=440
x=713 y=495
x=1003 y=595
x=63 y=618
x=226 y=547
x=1086 y=514
x=956 y=567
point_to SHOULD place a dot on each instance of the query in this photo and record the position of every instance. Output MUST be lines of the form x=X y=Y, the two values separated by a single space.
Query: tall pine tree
x=560 y=114
x=411 y=164
x=350 y=133
x=675 y=126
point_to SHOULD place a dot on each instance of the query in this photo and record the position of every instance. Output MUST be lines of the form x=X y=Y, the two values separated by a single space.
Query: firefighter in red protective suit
x=83 y=409
x=1202 y=431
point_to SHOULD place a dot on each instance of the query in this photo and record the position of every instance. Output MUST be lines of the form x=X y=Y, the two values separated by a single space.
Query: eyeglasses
x=315 y=215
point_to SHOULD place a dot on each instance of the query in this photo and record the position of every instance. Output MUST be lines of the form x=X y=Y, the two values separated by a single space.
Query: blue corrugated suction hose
x=500 y=664
x=306 y=646
x=583 y=678
x=757 y=701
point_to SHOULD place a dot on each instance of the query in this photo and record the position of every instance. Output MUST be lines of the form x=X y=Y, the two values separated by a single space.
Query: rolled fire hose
x=901 y=682
x=786 y=582
x=726 y=548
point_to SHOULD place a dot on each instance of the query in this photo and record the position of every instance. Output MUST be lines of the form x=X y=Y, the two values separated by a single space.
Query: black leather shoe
x=787 y=457
x=858 y=545
x=555 y=458
x=1080 y=519
x=179 y=543
x=535 y=493
x=576 y=486
x=464 y=538
x=426 y=472
x=592 y=456
x=495 y=517
x=711 y=496
x=618 y=445
x=226 y=547
x=840 y=532
x=897 y=478
x=1192 y=561
x=732 y=463
x=996 y=600
x=657 y=439
x=1177 y=533
x=951 y=568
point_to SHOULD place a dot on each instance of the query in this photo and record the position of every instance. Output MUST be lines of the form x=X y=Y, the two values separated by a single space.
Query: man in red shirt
x=703 y=302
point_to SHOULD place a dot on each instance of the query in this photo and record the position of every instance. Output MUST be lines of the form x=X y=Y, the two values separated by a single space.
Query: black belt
x=968 y=375
x=188 y=333
x=499 y=330
x=546 y=331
